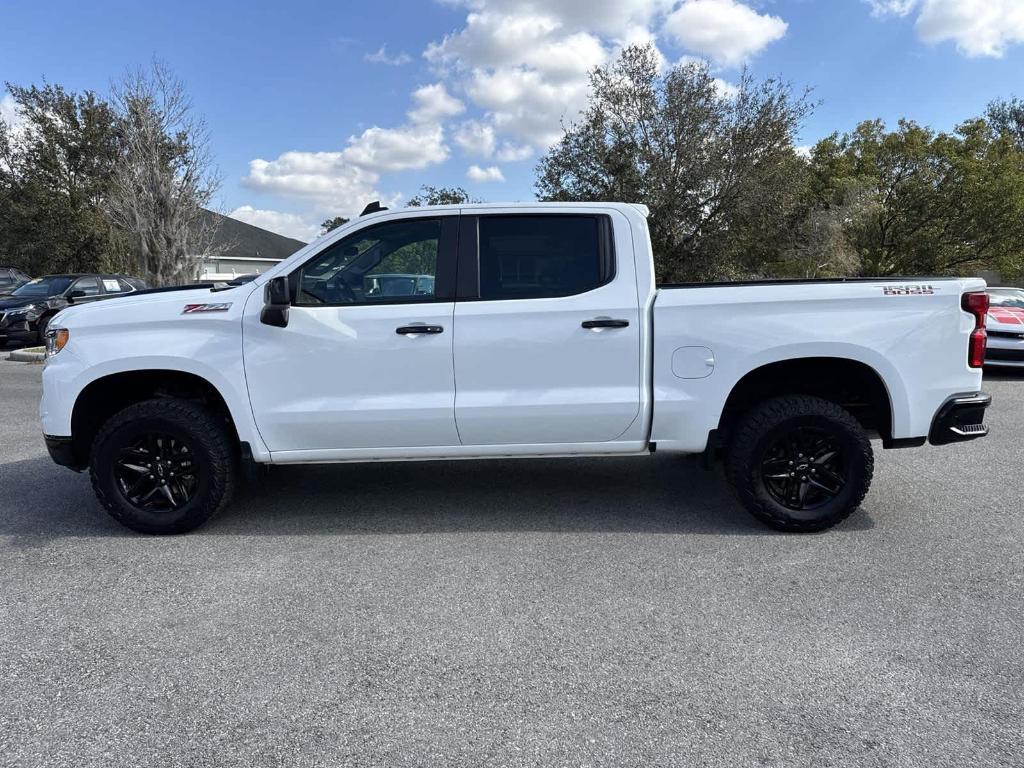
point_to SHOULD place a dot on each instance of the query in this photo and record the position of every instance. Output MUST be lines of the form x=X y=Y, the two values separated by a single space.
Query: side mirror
x=75 y=295
x=277 y=298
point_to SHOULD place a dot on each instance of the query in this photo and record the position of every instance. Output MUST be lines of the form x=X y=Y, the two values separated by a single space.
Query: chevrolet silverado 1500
x=529 y=330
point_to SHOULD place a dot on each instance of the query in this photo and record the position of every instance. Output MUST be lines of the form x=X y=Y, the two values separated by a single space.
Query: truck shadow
x=662 y=494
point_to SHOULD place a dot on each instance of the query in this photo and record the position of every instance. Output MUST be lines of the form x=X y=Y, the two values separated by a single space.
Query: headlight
x=21 y=311
x=56 y=338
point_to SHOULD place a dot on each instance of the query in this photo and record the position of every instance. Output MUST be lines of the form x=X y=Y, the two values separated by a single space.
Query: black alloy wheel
x=156 y=472
x=804 y=469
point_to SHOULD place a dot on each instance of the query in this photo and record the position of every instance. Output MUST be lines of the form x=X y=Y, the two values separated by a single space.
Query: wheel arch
x=850 y=383
x=104 y=396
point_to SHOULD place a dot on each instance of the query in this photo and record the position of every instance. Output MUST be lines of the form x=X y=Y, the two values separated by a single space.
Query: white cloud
x=608 y=17
x=512 y=153
x=381 y=56
x=326 y=180
x=409 y=147
x=726 y=31
x=476 y=138
x=287 y=224
x=478 y=174
x=526 y=63
x=891 y=7
x=434 y=104
x=977 y=27
x=525 y=105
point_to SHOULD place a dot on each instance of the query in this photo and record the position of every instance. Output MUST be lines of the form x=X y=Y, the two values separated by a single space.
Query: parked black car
x=11 y=278
x=26 y=312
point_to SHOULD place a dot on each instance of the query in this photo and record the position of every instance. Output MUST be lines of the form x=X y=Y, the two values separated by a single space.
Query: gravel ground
x=572 y=612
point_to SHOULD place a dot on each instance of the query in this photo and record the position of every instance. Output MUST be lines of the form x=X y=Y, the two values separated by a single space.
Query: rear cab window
x=543 y=256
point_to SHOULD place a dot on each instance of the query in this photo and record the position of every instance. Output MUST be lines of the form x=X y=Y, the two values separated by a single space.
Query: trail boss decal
x=191 y=309
x=908 y=290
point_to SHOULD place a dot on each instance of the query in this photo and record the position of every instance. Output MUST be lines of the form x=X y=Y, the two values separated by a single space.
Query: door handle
x=405 y=330
x=606 y=323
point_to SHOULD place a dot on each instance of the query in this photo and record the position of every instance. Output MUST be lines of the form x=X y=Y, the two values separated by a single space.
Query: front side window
x=392 y=262
x=525 y=257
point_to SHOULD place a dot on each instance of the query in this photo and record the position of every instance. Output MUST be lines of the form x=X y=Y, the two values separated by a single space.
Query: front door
x=547 y=350
x=365 y=360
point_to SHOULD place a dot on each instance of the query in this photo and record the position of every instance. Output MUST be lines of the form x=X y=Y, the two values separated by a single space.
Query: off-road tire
x=765 y=423
x=213 y=453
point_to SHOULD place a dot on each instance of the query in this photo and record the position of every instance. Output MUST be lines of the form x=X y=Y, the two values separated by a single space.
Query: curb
x=29 y=355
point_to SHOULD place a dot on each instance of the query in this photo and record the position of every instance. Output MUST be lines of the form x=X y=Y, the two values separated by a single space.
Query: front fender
x=107 y=342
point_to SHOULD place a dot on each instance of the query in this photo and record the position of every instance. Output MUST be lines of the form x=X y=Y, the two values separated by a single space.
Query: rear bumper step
x=960 y=418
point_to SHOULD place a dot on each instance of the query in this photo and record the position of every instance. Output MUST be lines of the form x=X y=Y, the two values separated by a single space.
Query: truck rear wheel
x=163 y=466
x=800 y=463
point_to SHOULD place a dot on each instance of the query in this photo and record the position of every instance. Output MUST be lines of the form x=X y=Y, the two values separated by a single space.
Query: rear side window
x=526 y=257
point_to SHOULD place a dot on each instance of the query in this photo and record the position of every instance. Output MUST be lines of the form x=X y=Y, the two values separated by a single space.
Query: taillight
x=977 y=305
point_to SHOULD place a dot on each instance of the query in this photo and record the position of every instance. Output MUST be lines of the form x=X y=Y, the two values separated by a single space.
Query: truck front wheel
x=800 y=463
x=163 y=466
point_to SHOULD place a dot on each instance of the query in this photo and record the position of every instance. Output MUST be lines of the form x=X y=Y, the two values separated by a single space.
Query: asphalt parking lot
x=572 y=612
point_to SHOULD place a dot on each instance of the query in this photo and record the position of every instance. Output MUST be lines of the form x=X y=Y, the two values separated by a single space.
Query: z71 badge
x=908 y=290
x=191 y=309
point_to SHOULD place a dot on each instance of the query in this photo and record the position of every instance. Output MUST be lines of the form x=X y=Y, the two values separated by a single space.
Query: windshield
x=1009 y=299
x=44 y=286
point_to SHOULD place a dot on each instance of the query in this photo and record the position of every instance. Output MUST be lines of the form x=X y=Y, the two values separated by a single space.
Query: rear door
x=547 y=330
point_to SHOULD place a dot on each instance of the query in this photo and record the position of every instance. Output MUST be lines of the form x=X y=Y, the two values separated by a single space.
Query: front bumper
x=62 y=452
x=960 y=418
x=17 y=329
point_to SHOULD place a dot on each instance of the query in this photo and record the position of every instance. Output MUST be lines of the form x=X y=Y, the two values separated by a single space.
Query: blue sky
x=316 y=108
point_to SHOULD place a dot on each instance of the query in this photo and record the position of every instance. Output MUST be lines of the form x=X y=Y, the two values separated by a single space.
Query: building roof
x=234 y=239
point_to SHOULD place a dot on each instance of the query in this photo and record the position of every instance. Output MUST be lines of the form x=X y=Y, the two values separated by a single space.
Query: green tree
x=717 y=170
x=1007 y=116
x=429 y=195
x=916 y=202
x=332 y=224
x=55 y=174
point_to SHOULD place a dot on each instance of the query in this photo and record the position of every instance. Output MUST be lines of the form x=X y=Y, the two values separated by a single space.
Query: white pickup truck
x=495 y=331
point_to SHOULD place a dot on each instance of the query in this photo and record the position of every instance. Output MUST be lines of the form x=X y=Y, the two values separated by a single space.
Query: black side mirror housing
x=75 y=295
x=277 y=298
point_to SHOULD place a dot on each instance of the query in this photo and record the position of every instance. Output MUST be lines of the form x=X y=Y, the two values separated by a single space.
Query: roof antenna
x=374 y=207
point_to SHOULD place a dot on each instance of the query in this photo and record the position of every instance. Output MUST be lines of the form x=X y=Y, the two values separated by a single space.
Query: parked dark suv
x=26 y=312
x=10 y=279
